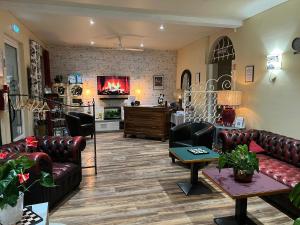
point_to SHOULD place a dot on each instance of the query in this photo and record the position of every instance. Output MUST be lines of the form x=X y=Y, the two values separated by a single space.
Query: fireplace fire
x=113 y=85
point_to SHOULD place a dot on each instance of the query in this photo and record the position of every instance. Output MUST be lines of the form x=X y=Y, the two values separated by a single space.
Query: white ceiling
x=67 y=21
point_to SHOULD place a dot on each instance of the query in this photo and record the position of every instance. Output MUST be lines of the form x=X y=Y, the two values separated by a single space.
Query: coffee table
x=261 y=185
x=182 y=154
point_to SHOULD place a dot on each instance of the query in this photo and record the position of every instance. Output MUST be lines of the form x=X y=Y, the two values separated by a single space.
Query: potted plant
x=243 y=162
x=295 y=199
x=14 y=176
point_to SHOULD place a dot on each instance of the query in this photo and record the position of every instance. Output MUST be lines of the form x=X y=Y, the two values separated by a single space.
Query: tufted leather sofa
x=59 y=156
x=281 y=160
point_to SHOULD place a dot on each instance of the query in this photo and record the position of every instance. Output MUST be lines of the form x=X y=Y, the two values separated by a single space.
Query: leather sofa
x=80 y=124
x=281 y=160
x=59 y=156
x=191 y=134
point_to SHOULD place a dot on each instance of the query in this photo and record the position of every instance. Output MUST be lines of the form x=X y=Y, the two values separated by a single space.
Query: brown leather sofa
x=281 y=160
x=59 y=156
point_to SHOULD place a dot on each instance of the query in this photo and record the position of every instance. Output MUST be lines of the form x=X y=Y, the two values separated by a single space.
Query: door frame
x=15 y=44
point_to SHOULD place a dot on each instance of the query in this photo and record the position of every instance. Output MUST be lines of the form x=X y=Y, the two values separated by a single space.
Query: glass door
x=12 y=79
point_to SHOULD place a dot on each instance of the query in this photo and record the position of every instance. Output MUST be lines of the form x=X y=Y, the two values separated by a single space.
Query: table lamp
x=229 y=99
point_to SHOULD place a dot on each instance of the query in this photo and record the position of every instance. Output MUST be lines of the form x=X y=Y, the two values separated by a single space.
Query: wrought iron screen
x=200 y=101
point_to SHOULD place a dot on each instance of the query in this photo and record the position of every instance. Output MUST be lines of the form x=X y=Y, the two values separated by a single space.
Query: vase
x=11 y=215
x=243 y=176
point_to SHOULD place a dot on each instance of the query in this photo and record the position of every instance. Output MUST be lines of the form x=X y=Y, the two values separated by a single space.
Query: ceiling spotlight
x=142 y=45
x=92 y=42
x=161 y=27
x=92 y=22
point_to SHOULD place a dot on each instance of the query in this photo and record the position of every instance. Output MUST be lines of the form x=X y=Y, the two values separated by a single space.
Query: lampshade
x=230 y=98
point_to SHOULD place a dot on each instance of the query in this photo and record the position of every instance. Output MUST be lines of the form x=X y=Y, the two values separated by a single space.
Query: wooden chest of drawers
x=147 y=121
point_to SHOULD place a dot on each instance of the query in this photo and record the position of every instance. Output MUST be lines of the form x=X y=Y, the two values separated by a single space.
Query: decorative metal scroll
x=200 y=101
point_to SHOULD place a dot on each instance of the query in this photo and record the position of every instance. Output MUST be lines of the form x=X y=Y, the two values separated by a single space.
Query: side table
x=194 y=187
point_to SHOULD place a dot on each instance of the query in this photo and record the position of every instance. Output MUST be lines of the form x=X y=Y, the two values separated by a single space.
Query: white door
x=12 y=68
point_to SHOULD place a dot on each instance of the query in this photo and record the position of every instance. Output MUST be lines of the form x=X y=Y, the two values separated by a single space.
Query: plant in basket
x=14 y=181
x=243 y=162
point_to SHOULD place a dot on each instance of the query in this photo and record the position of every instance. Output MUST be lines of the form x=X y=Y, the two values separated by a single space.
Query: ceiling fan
x=120 y=47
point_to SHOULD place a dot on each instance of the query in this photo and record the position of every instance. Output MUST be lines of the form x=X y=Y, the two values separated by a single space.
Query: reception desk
x=147 y=121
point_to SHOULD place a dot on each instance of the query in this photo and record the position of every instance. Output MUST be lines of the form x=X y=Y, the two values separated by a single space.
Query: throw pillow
x=254 y=147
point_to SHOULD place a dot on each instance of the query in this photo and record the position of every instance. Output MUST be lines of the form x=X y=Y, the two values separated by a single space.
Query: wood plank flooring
x=136 y=184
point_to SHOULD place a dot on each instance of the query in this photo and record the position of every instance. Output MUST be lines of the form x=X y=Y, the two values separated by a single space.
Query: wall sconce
x=274 y=63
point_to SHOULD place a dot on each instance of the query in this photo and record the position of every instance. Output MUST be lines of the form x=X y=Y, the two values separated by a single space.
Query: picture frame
x=239 y=122
x=158 y=82
x=249 y=73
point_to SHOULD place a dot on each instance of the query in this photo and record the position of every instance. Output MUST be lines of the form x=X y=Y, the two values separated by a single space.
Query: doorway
x=12 y=67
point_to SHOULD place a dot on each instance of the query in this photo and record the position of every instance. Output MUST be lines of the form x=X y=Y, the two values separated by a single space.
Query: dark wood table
x=261 y=185
x=193 y=187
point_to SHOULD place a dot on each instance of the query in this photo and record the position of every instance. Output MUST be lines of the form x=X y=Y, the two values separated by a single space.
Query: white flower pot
x=11 y=215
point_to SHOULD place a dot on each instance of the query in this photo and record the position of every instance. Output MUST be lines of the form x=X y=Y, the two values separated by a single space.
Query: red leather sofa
x=59 y=156
x=281 y=160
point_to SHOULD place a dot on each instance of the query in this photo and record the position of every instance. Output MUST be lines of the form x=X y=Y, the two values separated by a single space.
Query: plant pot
x=11 y=215
x=243 y=176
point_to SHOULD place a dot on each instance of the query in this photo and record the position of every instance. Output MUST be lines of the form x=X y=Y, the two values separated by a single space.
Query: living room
x=170 y=92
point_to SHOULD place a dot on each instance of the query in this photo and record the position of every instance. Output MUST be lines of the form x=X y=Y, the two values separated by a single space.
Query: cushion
x=254 y=147
x=281 y=171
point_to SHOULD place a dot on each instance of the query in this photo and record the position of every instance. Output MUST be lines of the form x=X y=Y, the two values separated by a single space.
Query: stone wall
x=140 y=66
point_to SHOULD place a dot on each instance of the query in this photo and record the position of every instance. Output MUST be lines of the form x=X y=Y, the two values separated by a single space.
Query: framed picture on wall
x=249 y=73
x=158 y=82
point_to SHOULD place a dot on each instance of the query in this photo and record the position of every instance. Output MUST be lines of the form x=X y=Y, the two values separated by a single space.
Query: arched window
x=223 y=50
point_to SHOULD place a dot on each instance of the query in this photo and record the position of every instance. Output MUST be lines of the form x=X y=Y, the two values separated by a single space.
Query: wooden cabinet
x=147 y=121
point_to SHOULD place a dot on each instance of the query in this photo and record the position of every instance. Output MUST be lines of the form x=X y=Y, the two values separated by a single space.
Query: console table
x=147 y=121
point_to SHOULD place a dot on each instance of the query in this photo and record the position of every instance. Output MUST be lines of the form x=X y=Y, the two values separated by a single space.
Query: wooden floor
x=136 y=184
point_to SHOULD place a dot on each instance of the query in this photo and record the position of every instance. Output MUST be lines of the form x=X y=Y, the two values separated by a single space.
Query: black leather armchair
x=80 y=124
x=192 y=134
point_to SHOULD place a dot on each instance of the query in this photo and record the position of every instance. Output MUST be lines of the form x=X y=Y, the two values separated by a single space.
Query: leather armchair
x=59 y=156
x=192 y=134
x=80 y=124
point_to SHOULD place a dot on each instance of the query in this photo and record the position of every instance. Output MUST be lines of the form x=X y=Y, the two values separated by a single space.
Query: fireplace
x=112 y=113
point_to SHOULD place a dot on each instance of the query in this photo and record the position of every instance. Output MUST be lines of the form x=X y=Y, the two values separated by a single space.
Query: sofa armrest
x=86 y=118
x=231 y=138
x=179 y=132
x=204 y=136
x=42 y=162
x=63 y=149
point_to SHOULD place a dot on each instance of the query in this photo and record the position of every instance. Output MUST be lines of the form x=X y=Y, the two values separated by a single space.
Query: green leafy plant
x=295 y=199
x=14 y=175
x=239 y=159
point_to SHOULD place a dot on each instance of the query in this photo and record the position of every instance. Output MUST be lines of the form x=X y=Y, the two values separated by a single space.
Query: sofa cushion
x=254 y=147
x=61 y=170
x=279 y=170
